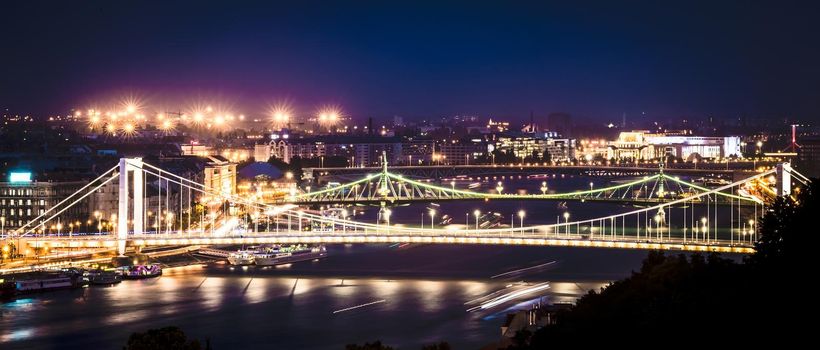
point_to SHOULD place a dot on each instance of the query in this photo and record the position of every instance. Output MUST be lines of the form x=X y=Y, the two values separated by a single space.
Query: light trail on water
x=360 y=306
x=519 y=271
x=510 y=296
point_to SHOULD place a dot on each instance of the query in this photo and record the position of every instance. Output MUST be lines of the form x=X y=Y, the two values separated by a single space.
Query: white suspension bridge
x=184 y=212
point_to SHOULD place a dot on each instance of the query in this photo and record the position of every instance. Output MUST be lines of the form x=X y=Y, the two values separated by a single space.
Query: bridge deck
x=559 y=240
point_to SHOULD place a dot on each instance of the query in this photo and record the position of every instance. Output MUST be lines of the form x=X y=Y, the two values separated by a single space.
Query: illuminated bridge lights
x=723 y=247
x=395 y=187
x=627 y=230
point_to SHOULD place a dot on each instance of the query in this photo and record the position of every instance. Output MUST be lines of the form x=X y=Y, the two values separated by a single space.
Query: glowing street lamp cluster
x=129 y=116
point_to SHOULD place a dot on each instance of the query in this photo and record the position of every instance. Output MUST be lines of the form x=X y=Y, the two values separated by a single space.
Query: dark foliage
x=168 y=338
x=295 y=166
x=696 y=297
x=377 y=345
x=440 y=346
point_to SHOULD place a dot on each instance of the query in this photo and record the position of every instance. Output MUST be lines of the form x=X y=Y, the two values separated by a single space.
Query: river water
x=409 y=296
x=424 y=289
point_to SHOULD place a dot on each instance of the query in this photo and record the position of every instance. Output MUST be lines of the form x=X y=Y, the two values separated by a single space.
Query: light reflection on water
x=285 y=308
x=134 y=304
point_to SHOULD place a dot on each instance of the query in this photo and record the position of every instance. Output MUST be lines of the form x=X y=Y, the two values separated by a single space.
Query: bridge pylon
x=130 y=167
x=783 y=179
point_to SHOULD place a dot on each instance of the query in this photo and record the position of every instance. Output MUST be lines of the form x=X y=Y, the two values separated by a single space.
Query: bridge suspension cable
x=696 y=221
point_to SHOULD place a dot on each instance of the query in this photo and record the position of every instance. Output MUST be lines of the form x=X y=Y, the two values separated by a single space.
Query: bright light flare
x=130 y=105
x=280 y=114
x=94 y=121
x=129 y=129
x=329 y=115
x=167 y=125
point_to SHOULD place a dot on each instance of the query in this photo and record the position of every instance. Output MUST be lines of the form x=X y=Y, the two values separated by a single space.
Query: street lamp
x=751 y=229
x=757 y=153
x=544 y=187
x=521 y=215
x=432 y=218
x=705 y=227
x=499 y=187
x=453 y=185
x=477 y=214
x=590 y=185
x=566 y=221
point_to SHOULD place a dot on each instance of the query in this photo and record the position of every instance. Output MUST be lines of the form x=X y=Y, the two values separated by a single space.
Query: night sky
x=418 y=59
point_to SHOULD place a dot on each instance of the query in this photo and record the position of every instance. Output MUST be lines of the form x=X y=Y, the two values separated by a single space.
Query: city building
x=558 y=149
x=416 y=152
x=358 y=150
x=460 y=152
x=589 y=149
x=497 y=126
x=220 y=175
x=645 y=145
x=808 y=156
x=25 y=196
x=370 y=154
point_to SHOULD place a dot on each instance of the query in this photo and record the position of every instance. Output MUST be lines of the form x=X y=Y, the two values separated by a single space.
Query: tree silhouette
x=440 y=346
x=168 y=338
x=377 y=345
x=697 y=296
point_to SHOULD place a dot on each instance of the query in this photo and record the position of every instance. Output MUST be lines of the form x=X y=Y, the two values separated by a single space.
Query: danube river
x=404 y=295
x=417 y=296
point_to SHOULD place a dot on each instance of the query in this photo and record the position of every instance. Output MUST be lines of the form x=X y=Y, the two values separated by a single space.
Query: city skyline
x=379 y=175
x=595 y=61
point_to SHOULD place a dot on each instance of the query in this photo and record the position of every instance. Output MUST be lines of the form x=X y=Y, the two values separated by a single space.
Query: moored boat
x=102 y=277
x=241 y=257
x=45 y=282
x=289 y=255
x=140 y=271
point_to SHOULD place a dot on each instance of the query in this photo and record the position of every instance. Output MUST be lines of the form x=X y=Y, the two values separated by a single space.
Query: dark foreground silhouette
x=168 y=338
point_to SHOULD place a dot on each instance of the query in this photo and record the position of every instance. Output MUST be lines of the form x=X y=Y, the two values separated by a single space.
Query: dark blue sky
x=419 y=59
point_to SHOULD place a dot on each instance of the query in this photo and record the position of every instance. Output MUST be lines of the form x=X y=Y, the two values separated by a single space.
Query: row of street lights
x=477 y=214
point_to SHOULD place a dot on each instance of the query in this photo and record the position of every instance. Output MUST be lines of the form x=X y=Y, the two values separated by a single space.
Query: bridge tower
x=127 y=167
x=783 y=179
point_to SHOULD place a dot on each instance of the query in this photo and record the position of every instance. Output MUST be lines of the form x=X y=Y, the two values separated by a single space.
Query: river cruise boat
x=287 y=255
x=242 y=257
x=140 y=271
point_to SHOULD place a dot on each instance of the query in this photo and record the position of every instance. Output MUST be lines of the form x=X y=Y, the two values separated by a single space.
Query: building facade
x=558 y=149
x=24 y=200
x=644 y=145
